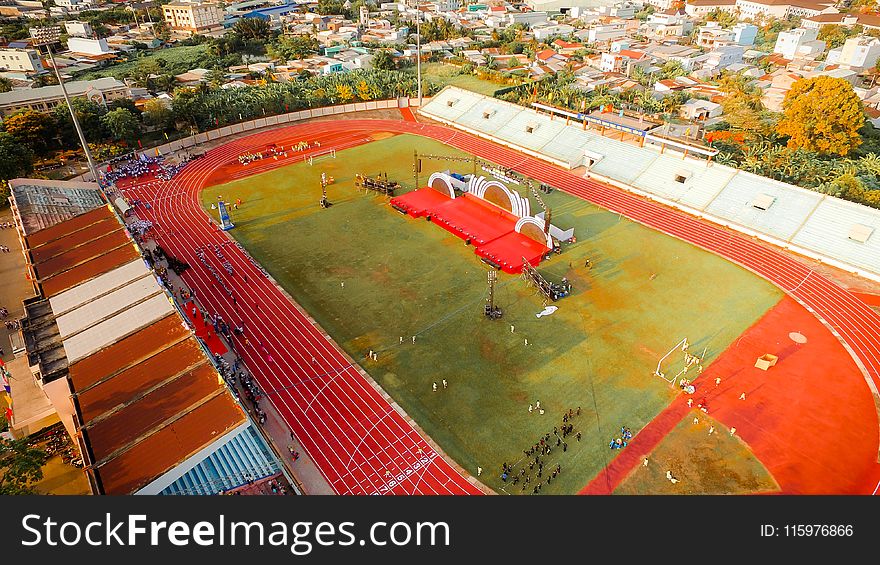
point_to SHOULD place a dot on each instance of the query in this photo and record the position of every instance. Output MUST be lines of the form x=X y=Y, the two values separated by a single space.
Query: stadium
x=474 y=297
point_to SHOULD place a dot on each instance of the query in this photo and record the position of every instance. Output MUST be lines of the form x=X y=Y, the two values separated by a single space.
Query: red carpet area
x=204 y=331
x=488 y=227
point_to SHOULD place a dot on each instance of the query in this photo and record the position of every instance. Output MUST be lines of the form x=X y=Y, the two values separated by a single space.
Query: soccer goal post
x=329 y=154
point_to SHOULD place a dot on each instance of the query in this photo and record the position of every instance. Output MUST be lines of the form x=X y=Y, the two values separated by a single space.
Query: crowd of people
x=132 y=168
x=139 y=228
x=275 y=151
x=200 y=253
x=136 y=166
x=7 y=225
x=534 y=458
x=623 y=440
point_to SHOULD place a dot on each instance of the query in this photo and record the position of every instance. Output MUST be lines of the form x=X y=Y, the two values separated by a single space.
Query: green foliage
x=4 y=202
x=295 y=47
x=5 y=84
x=209 y=108
x=32 y=128
x=835 y=35
x=89 y=115
x=383 y=61
x=122 y=124
x=16 y=158
x=725 y=19
x=252 y=29
x=170 y=61
x=20 y=467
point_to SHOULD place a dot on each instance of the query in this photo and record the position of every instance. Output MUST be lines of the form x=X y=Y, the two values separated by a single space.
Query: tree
x=4 y=201
x=122 y=124
x=822 y=114
x=835 y=35
x=252 y=29
x=295 y=47
x=156 y=113
x=32 y=128
x=20 y=466
x=216 y=77
x=743 y=108
x=16 y=158
x=383 y=61
x=5 y=84
x=89 y=115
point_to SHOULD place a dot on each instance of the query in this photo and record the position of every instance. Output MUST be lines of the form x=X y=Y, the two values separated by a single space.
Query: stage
x=488 y=227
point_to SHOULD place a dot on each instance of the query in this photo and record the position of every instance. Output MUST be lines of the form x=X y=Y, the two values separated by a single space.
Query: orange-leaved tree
x=822 y=114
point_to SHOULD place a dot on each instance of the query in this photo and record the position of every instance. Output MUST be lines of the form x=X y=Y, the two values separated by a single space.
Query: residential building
x=745 y=34
x=664 y=25
x=700 y=110
x=75 y=5
x=859 y=52
x=192 y=16
x=527 y=18
x=702 y=8
x=45 y=99
x=799 y=42
x=600 y=33
x=713 y=35
x=621 y=61
x=623 y=10
x=76 y=28
x=722 y=57
x=23 y=60
x=88 y=46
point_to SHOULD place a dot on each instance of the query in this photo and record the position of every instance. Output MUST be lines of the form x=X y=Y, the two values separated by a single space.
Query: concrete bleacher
x=702 y=183
x=244 y=457
x=827 y=231
x=788 y=211
x=808 y=222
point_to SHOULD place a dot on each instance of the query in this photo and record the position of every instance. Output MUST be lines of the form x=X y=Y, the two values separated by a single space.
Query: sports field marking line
x=271 y=374
x=876 y=488
x=777 y=273
x=801 y=283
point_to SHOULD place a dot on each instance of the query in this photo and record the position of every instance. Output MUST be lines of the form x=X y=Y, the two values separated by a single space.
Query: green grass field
x=442 y=75
x=406 y=277
x=703 y=464
x=177 y=59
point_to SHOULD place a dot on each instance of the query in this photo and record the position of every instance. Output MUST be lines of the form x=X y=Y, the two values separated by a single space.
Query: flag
x=139 y=144
x=166 y=135
x=158 y=153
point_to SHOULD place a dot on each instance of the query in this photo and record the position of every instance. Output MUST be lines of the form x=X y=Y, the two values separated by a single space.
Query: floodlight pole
x=45 y=36
x=419 y=52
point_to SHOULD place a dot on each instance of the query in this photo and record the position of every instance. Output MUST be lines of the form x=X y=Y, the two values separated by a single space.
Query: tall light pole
x=47 y=35
x=419 y=52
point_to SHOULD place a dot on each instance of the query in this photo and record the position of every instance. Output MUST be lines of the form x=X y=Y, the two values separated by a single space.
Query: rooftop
x=74 y=88
x=147 y=397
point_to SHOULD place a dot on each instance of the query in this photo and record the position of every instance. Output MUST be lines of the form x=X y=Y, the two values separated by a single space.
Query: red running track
x=358 y=441
x=351 y=431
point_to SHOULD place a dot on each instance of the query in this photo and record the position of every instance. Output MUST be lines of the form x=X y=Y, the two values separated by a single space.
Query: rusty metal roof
x=163 y=450
x=147 y=396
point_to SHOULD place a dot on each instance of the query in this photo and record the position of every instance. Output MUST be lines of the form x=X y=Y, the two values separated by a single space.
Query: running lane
x=357 y=440
x=360 y=443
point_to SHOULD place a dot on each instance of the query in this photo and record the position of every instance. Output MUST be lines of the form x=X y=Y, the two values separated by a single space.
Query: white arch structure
x=441 y=182
x=517 y=205
x=531 y=221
